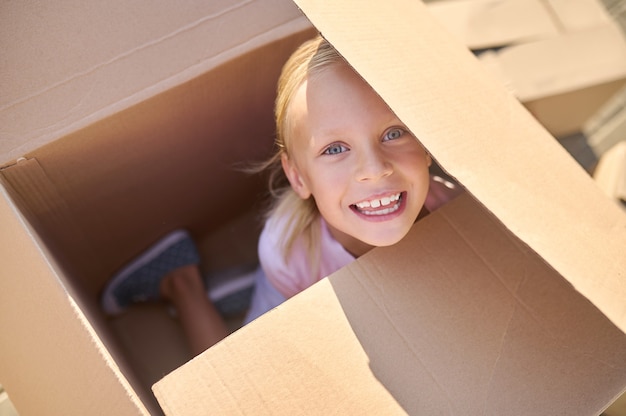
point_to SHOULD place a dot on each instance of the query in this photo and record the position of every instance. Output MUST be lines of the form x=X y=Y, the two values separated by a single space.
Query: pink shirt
x=294 y=275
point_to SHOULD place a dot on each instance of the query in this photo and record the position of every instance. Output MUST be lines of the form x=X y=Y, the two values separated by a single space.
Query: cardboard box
x=607 y=126
x=572 y=16
x=106 y=149
x=483 y=24
x=490 y=306
x=119 y=124
x=564 y=80
x=437 y=324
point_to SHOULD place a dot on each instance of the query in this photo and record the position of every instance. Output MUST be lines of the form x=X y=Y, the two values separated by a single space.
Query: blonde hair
x=302 y=215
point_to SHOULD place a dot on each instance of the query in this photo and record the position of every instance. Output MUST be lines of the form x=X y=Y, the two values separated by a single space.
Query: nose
x=373 y=164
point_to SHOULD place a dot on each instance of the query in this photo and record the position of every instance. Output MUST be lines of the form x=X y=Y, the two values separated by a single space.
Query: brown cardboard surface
x=75 y=62
x=580 y=105
x=577 y=15
x=51 y=360
x=99 y=179
x=127 y=121
x=458 y=318
x=484 y=138
x=99 y=196
x=120 y=110
x=510 y=305
x=564 y=80
x=593 y=56
x=481 y=24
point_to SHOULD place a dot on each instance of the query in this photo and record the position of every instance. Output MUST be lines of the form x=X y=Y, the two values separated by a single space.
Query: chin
x=385 y=241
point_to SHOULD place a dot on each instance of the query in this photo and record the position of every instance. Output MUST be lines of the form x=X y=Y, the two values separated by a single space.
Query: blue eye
x=335 y=149
x=393 y=134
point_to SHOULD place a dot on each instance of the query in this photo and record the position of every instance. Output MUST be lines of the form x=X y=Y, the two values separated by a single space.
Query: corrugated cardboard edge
x=47 y=345
x=560 y=213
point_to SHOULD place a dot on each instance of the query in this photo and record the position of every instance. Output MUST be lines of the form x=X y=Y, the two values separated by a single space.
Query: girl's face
x=368 y=175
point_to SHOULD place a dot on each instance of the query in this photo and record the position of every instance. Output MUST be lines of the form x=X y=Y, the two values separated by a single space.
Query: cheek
x=416 y=170
x=416 y=161
x=328 y=186
x=326 y=176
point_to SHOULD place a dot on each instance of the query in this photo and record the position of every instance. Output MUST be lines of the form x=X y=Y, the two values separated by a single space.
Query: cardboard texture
x=577 y=71
x=51 y=361
x=482 y=24
x=373 y=336
x=50 y=90
x=484 y=154
x=445 y=322
x=121 y=122
x=572 y=16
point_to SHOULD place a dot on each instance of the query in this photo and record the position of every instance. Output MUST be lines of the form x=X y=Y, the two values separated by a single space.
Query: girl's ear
x=429 y=159
x=294 y=177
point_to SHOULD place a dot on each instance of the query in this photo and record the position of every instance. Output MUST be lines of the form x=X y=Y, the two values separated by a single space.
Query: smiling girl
x=347 y=176
x=357 y=178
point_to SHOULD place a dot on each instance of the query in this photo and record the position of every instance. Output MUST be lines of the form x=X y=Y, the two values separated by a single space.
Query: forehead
x=334 y=103
x=338 y=81
x=337 y=96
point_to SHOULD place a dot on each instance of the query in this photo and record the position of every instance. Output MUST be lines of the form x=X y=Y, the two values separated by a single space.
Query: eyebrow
x=393 y=120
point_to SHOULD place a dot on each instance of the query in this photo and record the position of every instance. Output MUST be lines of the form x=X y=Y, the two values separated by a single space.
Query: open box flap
x=460 y=317
x=484 y=138
x=75 y=62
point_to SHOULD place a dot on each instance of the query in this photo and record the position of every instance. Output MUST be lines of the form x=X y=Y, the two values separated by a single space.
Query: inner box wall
x=100 y=196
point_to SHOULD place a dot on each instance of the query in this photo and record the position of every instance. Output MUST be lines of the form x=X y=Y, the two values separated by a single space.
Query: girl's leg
x=202 y=324
x=169 y=269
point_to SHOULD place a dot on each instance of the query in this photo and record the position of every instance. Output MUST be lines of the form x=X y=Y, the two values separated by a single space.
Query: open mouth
x=379 y=206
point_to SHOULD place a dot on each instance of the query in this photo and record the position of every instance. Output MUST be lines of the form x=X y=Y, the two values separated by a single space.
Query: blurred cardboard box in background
x=564 y=80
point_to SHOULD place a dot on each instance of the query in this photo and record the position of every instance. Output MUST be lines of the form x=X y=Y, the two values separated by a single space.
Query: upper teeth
x=376 y=203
